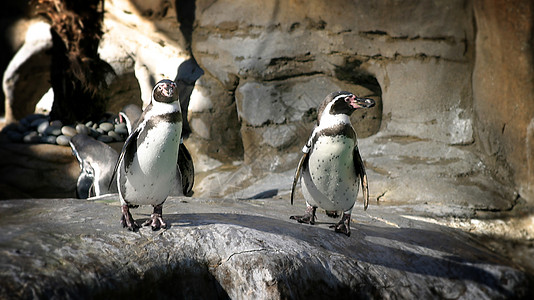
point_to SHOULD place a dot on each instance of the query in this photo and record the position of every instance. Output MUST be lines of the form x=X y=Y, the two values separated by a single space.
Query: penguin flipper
x=359 y=167
x=187 y=170
x=303 y=160
x=130 y=142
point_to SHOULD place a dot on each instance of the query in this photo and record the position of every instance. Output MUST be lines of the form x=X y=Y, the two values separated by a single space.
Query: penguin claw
x=156 y=219
x=156 y=222
x=343 y=226
x=130 y=223
x=127 y=219
x=307 y=218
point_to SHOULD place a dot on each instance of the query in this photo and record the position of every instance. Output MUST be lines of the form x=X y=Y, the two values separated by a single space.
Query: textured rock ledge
x=220 y=248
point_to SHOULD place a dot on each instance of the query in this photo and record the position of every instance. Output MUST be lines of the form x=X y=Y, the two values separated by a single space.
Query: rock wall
x=434 y=68
x=503 y=86
x=283 y=61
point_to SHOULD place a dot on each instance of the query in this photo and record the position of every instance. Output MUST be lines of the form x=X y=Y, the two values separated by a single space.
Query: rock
x=68 y=131
x=82 y=129
x=37 y=170
x=214 y=121
x=42 y=127
x=32 y=117
x=105 y=138
x=50 y=139
x=507 y=142
x=56 y=123
x=94 y=133
x=121 y=129
x=53 y=131
x=115 y=136
x=222 y=248
x=31 y=137
x=63 y=140
x=106 y=126
x=35 y=123
x=26 y=78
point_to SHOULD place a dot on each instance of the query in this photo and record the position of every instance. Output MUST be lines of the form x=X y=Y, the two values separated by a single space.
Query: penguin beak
x=358 y=102
x=168 y=89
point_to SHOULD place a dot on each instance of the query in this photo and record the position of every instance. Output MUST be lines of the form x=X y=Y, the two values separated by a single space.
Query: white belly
x=153 y=172
x=330 y=180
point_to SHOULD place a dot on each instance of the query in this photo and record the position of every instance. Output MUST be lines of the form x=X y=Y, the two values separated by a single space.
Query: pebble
x=33 y=117
x=36 y=128
x=68 y=131
x=105 y=139
x=53 y=131
x=82 y=129
x=50 y=139
x=32 y=137
x=116 y=136
x=93 y=133
x=22 y=128
x=24 y=123
x=121 y=128
x=42 y=127
x=34 y=123
x=63 y=140
x=56 y=123
x=106 y=126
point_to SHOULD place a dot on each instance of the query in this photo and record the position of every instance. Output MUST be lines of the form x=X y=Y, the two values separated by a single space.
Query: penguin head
x=165 y=91
x=130 y=114
x=343 y=103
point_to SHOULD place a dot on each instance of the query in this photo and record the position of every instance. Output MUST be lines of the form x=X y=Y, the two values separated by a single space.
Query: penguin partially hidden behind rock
x=331 y=166
x=96 y=163
x=146 y=169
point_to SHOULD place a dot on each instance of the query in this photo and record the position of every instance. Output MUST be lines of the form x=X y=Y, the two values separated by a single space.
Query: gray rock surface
x=72 y=249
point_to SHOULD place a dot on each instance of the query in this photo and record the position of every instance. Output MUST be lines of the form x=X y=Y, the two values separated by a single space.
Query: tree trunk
x=77 y=72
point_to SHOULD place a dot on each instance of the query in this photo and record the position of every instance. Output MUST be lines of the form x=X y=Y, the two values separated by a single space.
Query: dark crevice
x=352 y=72
x=185 y=13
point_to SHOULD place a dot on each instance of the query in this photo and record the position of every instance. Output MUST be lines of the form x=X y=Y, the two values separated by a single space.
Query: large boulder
x=222 y=248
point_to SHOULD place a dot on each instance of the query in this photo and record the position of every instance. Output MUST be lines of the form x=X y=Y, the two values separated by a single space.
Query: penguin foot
x=156 y=220
x=343 y=226
x=127 y=219
x=308 y=217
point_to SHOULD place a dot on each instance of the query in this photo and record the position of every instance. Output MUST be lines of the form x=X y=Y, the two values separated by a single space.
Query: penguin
x=130 y=114
x=146 y=168
x=96 y=161
x=331 y=167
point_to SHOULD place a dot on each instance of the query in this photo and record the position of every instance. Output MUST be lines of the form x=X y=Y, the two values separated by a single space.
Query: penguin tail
x=332 y=213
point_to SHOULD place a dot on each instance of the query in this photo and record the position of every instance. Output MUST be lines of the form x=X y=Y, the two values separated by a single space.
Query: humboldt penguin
x=96 y=161
x=331 y=167
x=146 y=168
x=130 y=115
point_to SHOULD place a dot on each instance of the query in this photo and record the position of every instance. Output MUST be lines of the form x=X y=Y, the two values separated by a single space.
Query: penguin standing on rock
x=130 y=115
x=331 y=166
x=146 y=169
